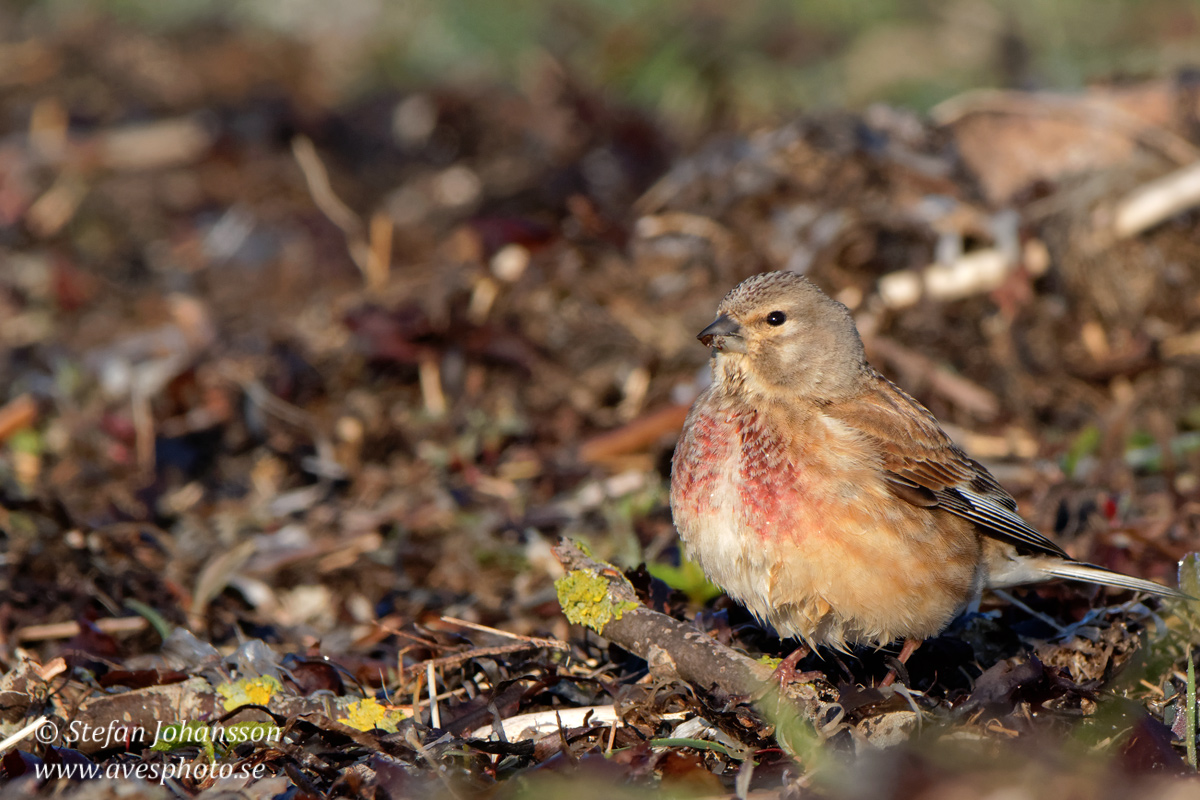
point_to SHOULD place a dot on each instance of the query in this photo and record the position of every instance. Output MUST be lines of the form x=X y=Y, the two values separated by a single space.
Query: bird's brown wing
x=923 y=467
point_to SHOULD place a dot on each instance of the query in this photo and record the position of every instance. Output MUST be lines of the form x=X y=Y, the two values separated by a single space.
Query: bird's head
x=778 y=334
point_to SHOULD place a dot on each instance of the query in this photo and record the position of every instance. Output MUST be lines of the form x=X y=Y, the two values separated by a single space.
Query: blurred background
x=697 y=66
x=321 y=322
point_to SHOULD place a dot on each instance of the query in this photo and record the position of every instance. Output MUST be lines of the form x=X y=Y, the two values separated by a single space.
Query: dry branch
x=673 y=649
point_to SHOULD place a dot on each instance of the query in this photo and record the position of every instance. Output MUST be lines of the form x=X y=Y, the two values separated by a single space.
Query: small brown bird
x=829 y=502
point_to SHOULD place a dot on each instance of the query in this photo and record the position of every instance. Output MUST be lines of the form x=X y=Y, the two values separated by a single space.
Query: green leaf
x=170 y=737
x=687 y=578
x=1189 y=574
x=160 y=624
x=1086 y=443
x=698 y=744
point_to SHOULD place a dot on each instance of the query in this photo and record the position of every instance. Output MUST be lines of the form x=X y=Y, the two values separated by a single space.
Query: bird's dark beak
x=723 y=334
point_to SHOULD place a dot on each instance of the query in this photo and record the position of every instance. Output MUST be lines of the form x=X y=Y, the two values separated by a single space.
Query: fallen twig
x=340 y=214
x=672 y=648
x=973 y=273
x=1157 y=201
x=487 y=652
x=532 y=640
x=634 y=436
x=17 y=414
x=918 y=368
x=154 y=145
x=67 y=630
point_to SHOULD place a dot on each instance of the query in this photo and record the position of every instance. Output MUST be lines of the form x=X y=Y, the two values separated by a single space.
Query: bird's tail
x=1090 y=573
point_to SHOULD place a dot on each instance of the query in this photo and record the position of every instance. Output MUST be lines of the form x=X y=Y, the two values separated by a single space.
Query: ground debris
x=298 y=392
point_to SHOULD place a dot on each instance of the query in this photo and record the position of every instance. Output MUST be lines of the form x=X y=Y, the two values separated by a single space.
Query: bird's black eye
x=776 y=318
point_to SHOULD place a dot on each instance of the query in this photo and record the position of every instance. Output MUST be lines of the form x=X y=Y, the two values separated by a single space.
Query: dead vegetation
x=298 y=400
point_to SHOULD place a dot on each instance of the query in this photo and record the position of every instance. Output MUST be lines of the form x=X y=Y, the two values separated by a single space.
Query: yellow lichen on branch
x=585 y=600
